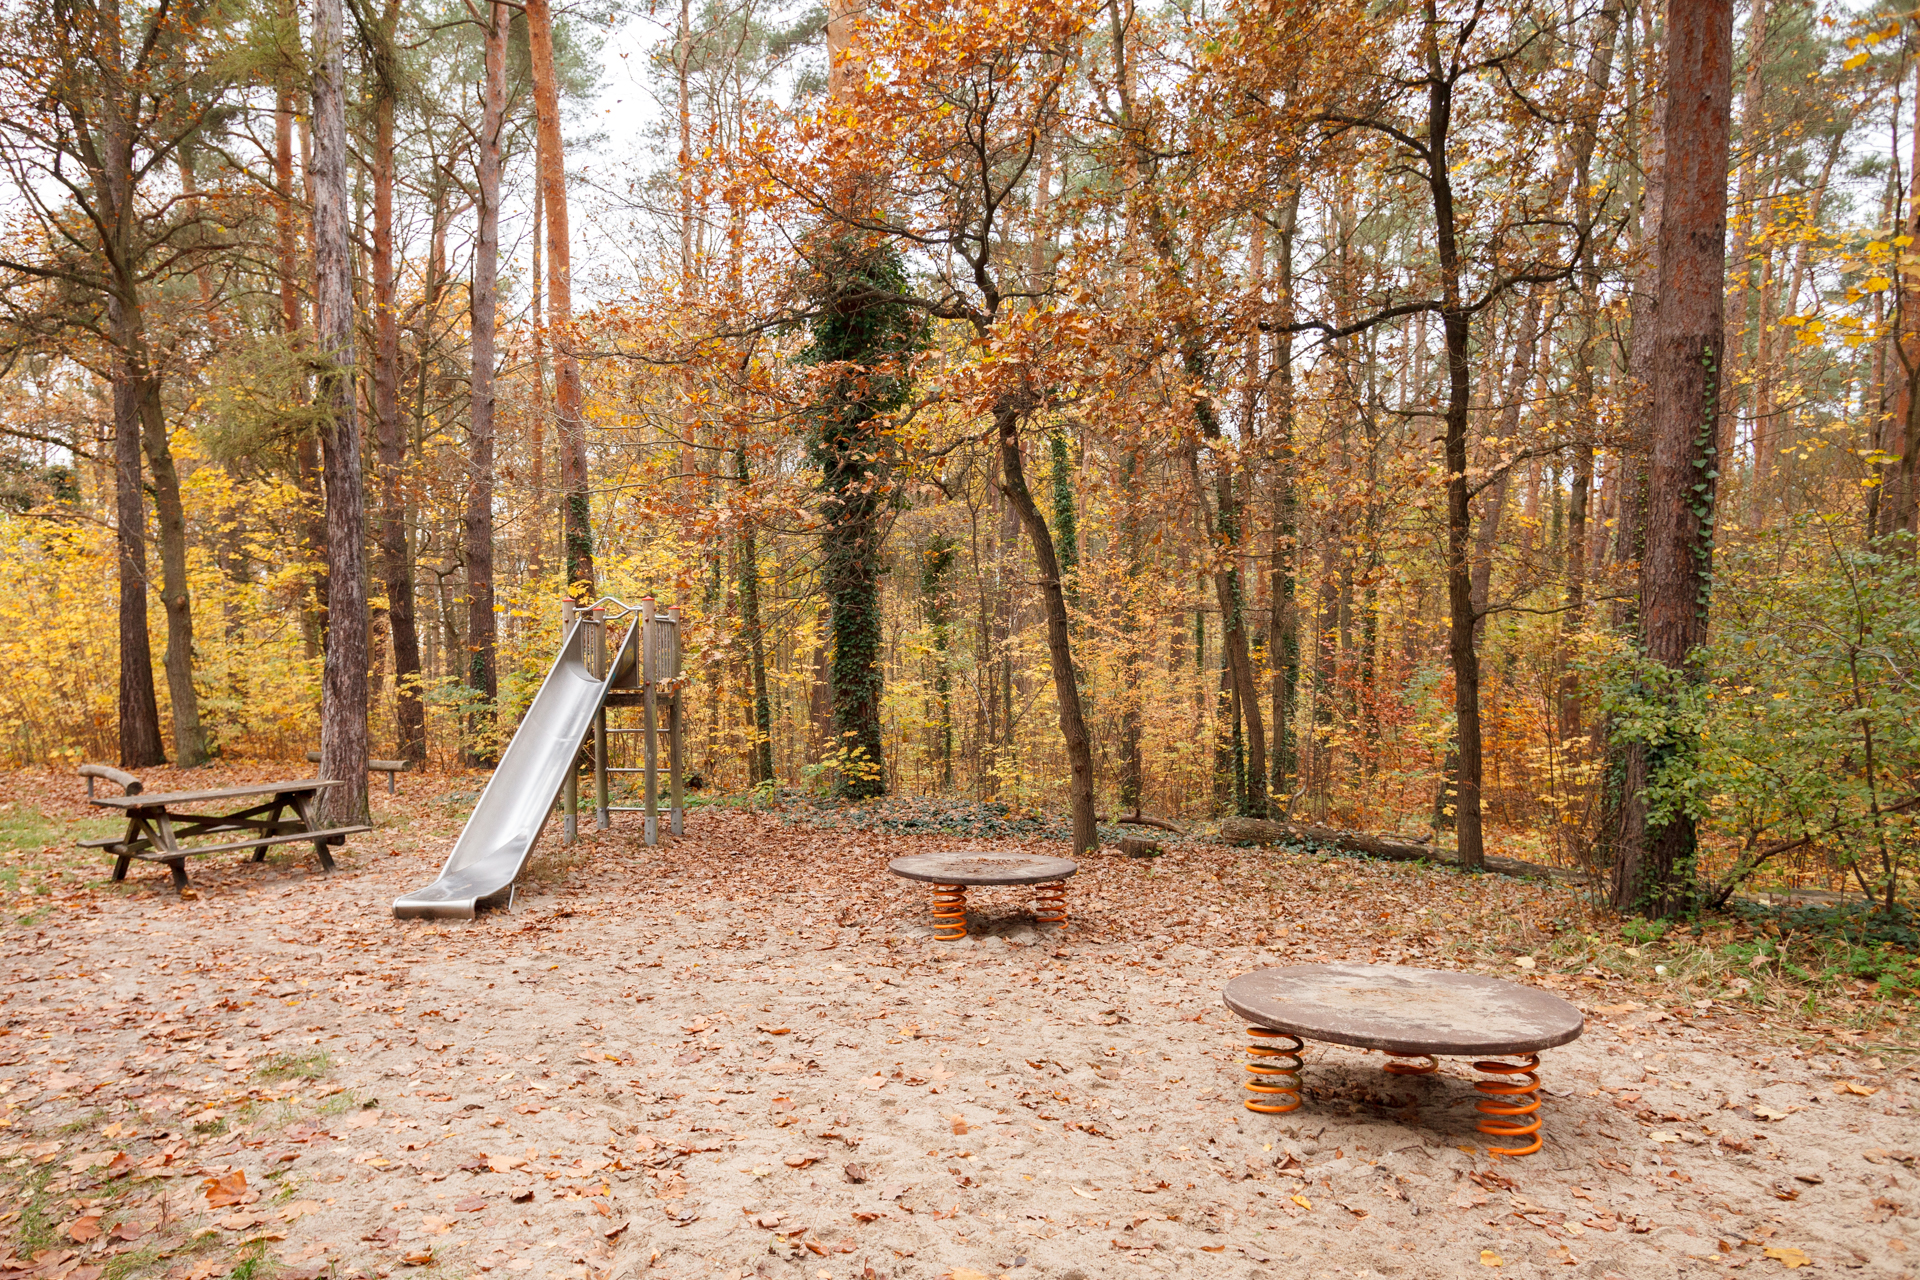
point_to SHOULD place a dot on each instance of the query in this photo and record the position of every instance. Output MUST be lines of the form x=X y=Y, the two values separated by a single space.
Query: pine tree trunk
x=343 y=693
x=1066 y=684
x=482 y=670
x=1653 y=857
x=396 y=561
x=568 y=396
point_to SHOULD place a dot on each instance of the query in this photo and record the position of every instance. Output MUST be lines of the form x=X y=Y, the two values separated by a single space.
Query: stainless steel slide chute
x=500 y=834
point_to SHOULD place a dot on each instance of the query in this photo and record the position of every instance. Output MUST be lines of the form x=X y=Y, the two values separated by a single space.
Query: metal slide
x=500 y=834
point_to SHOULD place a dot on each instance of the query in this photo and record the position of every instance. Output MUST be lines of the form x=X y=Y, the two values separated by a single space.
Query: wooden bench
x=156 y=824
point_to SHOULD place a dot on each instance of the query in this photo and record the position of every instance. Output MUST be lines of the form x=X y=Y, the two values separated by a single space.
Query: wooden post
x=650 y=729
x=602 y=819
x=570 y=792
x=676 y=821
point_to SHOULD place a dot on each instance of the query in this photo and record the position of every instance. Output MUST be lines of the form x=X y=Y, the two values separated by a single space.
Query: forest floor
x=743 y=1054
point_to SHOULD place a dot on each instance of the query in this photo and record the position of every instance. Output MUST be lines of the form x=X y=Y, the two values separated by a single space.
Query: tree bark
x=306 y=458
x=1066 y=685
x=568 y=397
x=140 y=744
x=189 y=736
x=139 y=713
x=1653 y=857
x=1456 y=322
x=396 y=560
x=1586 y=137
x=482 y=632
x=1283 y=634
x=343 y=690
x=760 y=756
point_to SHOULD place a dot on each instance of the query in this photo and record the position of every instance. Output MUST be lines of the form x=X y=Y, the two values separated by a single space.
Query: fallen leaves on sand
x=1788 y=1256
x=1488 y=1258
x=223 y=1191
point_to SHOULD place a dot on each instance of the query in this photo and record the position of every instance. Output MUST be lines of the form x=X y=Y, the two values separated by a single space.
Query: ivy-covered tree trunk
x=864 y=344
x=1654 y=849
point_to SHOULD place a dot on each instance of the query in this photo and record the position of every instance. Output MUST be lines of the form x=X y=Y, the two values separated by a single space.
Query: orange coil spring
x=1050 y=902
x=1401 y=1068
x=949 y=912
x=1511 y=1103
x=1273 y=1062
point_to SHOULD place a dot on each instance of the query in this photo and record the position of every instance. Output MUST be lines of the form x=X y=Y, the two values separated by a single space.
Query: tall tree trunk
x=1456 y=322
x=140 y=744
x=396 y=561
x=343 y=693
x=1066 y=684
x=568 y=397
x=1133 y=630
x=482 y=631
x=1586 y=137
x=118 y=198
x=1283 y=636
x=1653 y=859
x=139 y=712
x=306 y=451
x=189 y=737
x=1644 y=307
x=761 y=755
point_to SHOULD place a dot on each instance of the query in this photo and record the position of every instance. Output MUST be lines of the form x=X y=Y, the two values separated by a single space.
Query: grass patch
x=254 y=1263
x=297 y=1066
x=36 y=1229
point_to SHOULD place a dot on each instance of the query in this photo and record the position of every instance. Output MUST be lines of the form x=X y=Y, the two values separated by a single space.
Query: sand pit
x=743 y=1054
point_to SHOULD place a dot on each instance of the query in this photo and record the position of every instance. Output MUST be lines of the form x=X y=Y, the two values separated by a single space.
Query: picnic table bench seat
x=157 y=824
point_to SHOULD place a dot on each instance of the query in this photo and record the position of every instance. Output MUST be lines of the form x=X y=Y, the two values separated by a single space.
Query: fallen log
x=1138 y=819
x=1259 y=831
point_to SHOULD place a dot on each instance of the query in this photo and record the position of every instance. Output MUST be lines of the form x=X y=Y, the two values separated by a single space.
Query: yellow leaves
x=1857 y=61
x=1788 y=1256
x=1876 y=284
x=1302 y=1201
x=1488 y=1258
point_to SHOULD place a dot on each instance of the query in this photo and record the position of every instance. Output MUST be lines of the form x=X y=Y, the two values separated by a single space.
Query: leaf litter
x=656 y=1051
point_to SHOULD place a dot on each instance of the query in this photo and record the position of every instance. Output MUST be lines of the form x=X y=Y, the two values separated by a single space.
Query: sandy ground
x=743 y=1054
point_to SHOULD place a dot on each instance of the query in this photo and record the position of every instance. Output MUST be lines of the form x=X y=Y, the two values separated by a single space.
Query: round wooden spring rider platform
x=1406 y=1014
x=951 y=873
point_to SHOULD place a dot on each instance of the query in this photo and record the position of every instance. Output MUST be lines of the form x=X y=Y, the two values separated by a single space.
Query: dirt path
x=743 y=1054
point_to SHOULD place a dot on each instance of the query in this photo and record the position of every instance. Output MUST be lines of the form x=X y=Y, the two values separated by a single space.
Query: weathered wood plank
x=325 y=836
x=170 y=799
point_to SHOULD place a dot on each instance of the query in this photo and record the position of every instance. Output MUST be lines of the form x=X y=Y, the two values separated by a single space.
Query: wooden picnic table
x=275 y=813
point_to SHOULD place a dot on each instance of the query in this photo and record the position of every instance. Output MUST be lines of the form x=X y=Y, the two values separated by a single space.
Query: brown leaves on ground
x=227 y=1189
